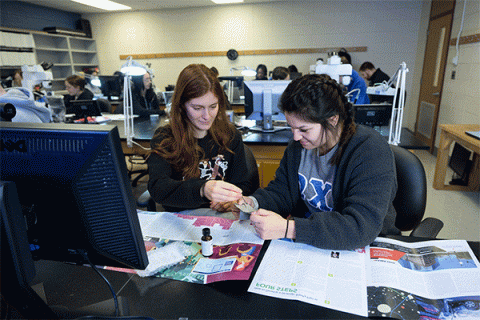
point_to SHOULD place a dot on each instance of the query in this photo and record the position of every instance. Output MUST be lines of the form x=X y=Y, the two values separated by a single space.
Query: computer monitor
x=74 y=191
x=373 y=115
x=85 y=108
x=234 y=88
x=111 y=86
x=261 y=103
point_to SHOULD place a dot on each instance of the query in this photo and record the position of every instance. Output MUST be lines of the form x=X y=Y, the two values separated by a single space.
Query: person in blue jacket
x=335 y=186
x=356 y=82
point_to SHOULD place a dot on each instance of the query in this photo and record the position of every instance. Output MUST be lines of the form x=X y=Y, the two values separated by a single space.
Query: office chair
x=137 y=160
x=411 y=198
x=146 y=201
x=252 y=170
x=104 y=105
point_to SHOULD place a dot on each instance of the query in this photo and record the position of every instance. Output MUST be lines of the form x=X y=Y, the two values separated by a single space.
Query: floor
x=460 y=211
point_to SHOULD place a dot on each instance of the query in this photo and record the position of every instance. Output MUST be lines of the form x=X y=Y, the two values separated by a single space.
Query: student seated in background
x=144 y=98
x=261 y=72
x=372 y=75
x=198 y=158
x=294 y=74
x=292 y=68
x=215 y=71
x=17 y=78
x=75 y=85
x=280 y=73
x=336 y=183
x=356 y=81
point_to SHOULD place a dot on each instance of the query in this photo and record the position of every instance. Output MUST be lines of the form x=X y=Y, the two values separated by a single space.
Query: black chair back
x=411 y=198
x=252 y=170
x=104 y=105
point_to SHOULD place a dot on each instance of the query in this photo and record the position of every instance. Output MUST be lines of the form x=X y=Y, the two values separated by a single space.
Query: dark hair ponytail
x=316 y=98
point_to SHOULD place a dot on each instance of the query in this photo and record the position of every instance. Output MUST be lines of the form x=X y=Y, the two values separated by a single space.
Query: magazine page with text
x=436 y=279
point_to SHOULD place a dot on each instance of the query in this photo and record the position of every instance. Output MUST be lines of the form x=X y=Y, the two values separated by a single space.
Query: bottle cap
x=206 y=232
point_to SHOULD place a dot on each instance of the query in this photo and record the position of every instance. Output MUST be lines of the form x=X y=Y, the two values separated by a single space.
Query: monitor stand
x=267 y=126
x=263 y=130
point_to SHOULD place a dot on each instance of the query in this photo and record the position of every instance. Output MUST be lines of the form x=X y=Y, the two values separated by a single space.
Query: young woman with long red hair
x=198 y=159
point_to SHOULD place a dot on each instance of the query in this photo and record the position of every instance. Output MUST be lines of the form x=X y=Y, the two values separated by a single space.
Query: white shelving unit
x=16 y=48
x=69 y=54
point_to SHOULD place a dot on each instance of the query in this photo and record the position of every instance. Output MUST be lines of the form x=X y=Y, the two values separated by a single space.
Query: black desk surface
x=144 y=128
x=69 y=287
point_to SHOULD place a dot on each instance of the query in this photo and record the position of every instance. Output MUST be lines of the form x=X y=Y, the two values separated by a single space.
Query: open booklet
x=437 y=279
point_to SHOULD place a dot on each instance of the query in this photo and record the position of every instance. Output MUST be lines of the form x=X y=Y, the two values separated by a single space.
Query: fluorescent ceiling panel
x=226 y=1
x=104 y=4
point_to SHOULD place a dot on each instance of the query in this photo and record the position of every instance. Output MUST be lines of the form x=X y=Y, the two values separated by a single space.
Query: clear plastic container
x=57 y=107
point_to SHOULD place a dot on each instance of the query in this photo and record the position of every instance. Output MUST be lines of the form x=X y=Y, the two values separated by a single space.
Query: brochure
x=174 y=251
x=437 y=279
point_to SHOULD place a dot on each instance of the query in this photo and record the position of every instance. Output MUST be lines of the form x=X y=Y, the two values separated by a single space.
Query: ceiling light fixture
x=226 y=1
x=104 y=4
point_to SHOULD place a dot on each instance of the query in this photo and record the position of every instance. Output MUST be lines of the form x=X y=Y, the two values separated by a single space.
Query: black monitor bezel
x=85 y=108
x=108 y=141
x=382 y=119
x=111 y=86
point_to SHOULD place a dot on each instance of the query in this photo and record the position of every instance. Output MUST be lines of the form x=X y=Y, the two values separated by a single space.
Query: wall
x=390 y=29
x=461 y=97
x=24 y=15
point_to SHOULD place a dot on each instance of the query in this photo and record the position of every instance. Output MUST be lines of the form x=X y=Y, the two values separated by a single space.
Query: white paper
x=182 y=227
x=331 y=279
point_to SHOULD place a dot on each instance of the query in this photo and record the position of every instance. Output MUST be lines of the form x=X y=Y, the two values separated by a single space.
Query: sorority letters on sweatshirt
x=213 y=169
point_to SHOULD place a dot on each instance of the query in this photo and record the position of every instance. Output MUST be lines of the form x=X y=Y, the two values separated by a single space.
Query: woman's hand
x=270 y=225
x=219 y=191
x=223 y=206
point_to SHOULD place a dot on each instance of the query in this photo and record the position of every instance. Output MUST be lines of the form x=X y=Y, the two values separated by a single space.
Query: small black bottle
x=207 y=243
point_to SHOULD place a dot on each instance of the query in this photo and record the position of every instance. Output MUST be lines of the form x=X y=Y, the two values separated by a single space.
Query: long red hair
x=179 y=145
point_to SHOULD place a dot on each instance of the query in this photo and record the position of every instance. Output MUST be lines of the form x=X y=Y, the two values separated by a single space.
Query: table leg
x=441 y=165
x=442 y=161
x=474 y=178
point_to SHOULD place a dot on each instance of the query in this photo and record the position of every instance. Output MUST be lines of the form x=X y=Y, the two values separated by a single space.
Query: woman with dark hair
x=198 y=159
x=144 y=98
x=336 y=183
x=261 y=72
x=75 y=86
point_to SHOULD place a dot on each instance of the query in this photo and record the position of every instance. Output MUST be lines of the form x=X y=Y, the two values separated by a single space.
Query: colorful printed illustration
x=245 y=255
x=430 y=258
x=394 y=303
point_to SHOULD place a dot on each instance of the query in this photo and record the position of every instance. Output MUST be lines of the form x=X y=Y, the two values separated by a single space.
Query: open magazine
x=437 y=279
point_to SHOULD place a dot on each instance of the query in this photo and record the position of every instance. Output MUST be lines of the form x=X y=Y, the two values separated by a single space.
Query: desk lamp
x=129 y=69
x=94 y=80
x=246 y=71
x=397 y=111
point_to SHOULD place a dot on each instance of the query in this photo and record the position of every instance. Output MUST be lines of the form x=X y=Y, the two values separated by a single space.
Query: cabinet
x=268 y=159
x=68 y=54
